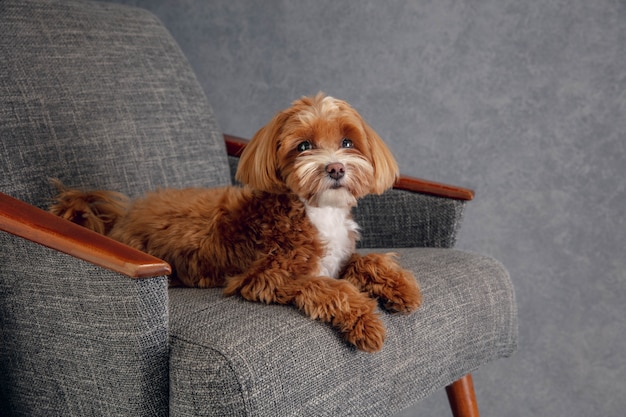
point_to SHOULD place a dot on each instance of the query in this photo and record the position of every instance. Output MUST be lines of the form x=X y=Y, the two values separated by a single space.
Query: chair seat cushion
x=233 y=357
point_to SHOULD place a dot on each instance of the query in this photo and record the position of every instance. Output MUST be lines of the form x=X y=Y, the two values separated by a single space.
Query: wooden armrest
x=39 y=226
x=235 y=145
x=437 y=189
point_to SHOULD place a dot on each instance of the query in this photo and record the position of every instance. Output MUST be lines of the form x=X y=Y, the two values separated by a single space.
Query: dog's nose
x=336 y=170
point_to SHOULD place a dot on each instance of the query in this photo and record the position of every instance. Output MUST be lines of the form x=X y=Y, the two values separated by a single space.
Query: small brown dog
x=287 y=237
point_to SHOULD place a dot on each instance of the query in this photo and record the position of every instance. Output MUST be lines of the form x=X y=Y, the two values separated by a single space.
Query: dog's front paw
x=401 y=294
x=382 y=277
x=367 y=334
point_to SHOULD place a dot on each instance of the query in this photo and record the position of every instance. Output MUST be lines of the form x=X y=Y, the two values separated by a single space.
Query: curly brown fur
x=288 y=236
x=95 y=210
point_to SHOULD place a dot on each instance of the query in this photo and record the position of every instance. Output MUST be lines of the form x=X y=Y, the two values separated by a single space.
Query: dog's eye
x=347 y=143
x=305 y=146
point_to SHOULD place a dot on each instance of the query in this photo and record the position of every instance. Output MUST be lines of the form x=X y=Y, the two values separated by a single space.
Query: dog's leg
x=382 y=277
x=332 y=301
x=342 y=305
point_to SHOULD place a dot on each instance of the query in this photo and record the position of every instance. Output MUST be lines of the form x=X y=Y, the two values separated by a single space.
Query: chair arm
x=39 y=226
x=404 y=219
x=415 y=213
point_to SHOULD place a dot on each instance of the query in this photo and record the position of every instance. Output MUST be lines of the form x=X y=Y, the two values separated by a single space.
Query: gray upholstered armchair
x=99 y=95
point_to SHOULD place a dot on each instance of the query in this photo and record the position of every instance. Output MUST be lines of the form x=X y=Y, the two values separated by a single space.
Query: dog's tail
x=96 y=210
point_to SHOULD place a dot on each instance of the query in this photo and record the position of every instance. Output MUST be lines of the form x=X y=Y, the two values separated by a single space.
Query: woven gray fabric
x=78 y=340
x=232 y=357
x=401 y=219
x=99 y=95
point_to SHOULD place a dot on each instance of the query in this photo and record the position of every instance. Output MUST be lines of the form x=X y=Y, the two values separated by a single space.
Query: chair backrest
x=99 y=95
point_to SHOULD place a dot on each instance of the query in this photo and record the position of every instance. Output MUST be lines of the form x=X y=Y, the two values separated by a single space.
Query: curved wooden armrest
x=437 y=189
x=235 y=145
x=39 y=226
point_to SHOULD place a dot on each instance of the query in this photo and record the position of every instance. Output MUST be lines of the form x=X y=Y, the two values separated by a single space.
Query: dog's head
x=320 y=149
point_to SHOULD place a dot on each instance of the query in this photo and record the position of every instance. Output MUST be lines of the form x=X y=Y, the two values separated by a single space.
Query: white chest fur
x=338 y=233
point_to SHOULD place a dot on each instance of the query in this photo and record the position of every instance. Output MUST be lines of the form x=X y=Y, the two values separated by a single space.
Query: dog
x=287 y=236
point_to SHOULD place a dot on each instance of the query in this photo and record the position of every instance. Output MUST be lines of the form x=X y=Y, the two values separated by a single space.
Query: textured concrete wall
x=524 y=101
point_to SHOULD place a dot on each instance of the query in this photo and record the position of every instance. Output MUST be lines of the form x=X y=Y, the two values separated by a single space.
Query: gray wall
x=524 y=101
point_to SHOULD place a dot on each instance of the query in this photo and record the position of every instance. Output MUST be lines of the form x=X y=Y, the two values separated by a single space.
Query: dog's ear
x=258 y=165
x=386 y=169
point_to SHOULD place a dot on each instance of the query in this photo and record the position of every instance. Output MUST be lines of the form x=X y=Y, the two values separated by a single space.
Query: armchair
x=99 y=95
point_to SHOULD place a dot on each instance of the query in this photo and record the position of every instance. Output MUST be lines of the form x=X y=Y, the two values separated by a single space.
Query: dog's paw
x=401 y=294
x=382 y=277
x=367 y=334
